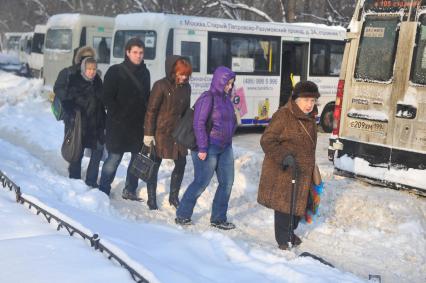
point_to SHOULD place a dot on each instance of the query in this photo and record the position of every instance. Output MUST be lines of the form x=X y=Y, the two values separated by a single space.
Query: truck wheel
x=326 y=119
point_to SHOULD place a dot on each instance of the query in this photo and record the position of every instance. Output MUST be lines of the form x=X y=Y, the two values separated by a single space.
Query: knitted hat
x=305 y=89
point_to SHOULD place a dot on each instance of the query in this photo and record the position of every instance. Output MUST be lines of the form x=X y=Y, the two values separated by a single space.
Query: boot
x=296 y=240
x=152 y=197
x=174 y=197
x=175 y=182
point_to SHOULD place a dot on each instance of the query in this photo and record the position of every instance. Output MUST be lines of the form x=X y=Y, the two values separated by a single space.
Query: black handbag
x=72 y=146
x=144 y=164
x=184 y=132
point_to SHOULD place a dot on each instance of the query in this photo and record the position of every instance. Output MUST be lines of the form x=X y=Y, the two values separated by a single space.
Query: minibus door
x=294 y=67
x=190 y=44
x=409 y=113
x=370 y=91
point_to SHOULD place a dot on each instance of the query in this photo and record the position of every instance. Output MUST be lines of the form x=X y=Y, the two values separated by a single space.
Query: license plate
x=369 y=126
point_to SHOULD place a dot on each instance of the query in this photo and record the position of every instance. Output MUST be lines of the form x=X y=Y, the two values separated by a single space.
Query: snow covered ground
x=362 y=229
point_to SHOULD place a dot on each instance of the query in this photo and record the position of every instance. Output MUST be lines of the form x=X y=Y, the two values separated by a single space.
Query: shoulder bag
x=72 y=145
x=184 y=131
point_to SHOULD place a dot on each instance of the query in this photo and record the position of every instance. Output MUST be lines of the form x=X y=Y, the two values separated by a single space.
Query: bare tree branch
x=240 y=6
x=42 y=8
x=315 y=17
x=140 y=5
x=334 y=10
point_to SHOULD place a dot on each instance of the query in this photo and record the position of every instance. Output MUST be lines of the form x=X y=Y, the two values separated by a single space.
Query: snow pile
x=411 y=177
x=14 y=89
x=37 y=253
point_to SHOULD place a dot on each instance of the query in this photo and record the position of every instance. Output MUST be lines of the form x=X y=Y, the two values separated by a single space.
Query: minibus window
x=336 y=58
x=148 y=37
x=59 y=39
x=377 y=48
x=191 y=51
x=244 y=54
x=102 y=46
x=37 y=46
x=326 y=58
x=418 y=70
x=13 y=43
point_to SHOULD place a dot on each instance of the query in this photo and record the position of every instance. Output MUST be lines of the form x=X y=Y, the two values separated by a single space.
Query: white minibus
x=68 y=32
x=267 y=57
x=380 y=115
x=35 y=60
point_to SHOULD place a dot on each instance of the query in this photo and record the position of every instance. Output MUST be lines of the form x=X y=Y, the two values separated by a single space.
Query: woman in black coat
x=84 y=93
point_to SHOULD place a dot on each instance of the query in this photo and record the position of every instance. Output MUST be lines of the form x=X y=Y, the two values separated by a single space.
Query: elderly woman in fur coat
x=291 y=132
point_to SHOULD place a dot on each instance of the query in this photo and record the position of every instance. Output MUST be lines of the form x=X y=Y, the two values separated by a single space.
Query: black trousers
x=177 y=174
x=282 y=226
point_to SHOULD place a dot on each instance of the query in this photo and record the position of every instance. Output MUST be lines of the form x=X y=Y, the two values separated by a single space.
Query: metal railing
x=94 y=239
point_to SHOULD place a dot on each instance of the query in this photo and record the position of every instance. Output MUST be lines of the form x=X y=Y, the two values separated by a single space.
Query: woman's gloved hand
x=147 y=140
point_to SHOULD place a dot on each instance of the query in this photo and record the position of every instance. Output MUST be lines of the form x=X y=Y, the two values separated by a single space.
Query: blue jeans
x=109 y=169
x=220 y=160
x=74 y=168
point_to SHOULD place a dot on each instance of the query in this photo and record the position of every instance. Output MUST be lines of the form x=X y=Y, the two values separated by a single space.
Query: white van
x=11 y=42
x=264 y=56
x=380 y=114
x=25 y=47
x=35 y=60
x=68 y=32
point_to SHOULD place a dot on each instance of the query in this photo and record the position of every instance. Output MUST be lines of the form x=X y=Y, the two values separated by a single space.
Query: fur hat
x=83 y=52
x=305 y=89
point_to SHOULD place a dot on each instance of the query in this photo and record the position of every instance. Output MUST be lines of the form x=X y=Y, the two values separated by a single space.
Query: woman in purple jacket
x=214 y=150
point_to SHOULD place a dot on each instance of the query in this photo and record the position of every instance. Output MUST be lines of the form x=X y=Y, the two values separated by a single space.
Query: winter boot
x=130 y=196
x=174 y=197
x=284 y=247
x=296 y=240
x=152 y=197
x=183 y=221
x=224 y=225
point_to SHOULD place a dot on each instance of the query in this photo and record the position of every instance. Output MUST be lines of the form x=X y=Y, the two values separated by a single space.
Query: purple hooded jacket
x=223 y=115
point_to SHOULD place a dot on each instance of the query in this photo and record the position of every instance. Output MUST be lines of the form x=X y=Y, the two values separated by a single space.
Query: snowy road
x=362 y=229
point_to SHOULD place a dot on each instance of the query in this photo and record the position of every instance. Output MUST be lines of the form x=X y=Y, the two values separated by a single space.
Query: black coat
x=61 y=87
x=86 y=96
x=126 y=106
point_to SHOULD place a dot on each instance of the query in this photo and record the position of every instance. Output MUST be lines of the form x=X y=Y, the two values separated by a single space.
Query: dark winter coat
x=223 y=117
x=126 y=106
x=62 y=81
x=167 y=103
x=284 y=136
x=86 y=97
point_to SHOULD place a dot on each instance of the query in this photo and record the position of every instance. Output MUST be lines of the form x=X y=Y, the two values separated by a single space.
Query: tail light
x=338 y=107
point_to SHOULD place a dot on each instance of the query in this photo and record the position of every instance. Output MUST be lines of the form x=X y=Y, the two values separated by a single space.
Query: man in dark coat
x=126 y=93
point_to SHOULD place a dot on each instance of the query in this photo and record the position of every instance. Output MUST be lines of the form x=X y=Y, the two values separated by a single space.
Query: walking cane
x=290 y=161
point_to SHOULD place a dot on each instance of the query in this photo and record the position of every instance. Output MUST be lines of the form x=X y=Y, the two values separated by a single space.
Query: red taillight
x=338 y=107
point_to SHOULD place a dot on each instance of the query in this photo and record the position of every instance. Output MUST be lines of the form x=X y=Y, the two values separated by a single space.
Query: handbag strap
x=306 y=131
x=151 y=151
x=304 y=128
x=132 y=77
